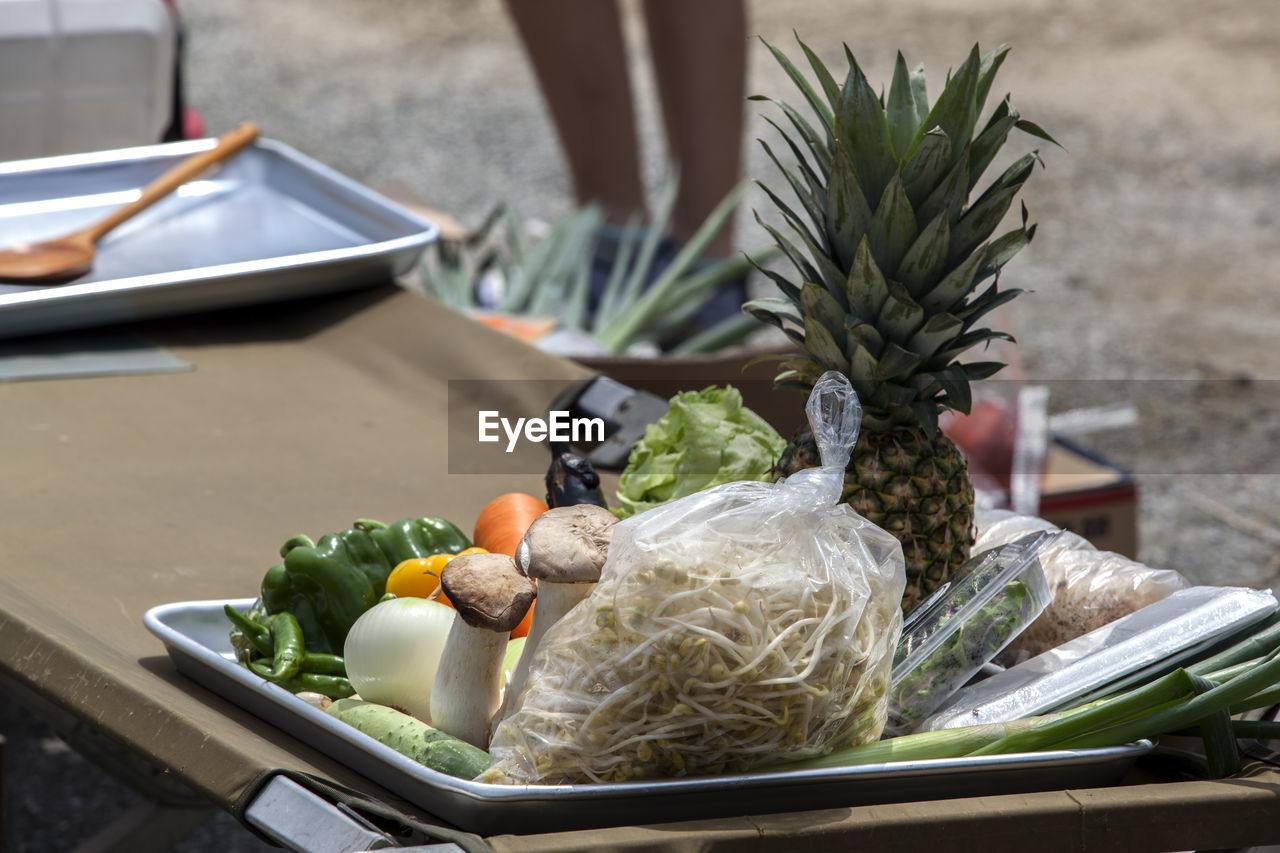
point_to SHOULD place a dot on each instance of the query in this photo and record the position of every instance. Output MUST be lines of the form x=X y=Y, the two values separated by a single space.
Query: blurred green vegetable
x=499 y=268
x=707 y=437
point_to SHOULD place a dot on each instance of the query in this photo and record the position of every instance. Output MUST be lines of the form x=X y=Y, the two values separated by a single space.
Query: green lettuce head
x=706 y=438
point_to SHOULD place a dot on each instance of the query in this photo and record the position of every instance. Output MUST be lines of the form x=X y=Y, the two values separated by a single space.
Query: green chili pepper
x=318 y=663
x=287 y=644
x=247 y=635
x=328 y=584
x=333 y=686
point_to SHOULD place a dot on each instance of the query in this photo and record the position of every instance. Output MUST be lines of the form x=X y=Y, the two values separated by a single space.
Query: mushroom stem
x=491 y=597
x=564 y=549
x=554 y=601
x=467 y=690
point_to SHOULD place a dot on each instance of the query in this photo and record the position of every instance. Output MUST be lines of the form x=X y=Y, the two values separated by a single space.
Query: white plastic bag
x=1090 y=588
x=729 y=628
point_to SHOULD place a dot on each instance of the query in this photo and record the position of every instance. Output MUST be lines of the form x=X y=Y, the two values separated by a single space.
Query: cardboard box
x=1092 y=497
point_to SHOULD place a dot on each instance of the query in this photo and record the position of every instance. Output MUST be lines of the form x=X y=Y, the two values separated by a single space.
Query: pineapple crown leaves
x=888 y=247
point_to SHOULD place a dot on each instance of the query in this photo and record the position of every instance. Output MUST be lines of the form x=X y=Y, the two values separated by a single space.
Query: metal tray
x=195 y=634
x=269 y=224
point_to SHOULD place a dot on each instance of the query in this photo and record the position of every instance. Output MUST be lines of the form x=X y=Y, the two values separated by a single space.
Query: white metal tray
x=269 y=224
x=196 y=636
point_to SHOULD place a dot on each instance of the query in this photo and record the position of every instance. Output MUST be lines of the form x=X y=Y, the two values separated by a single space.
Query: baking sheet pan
x=269 y=224
x=195 y=635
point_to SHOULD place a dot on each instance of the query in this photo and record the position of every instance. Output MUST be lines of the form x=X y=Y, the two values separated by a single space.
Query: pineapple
x=894 y=269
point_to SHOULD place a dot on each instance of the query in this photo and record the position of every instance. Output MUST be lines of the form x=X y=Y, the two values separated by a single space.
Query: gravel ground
x=1151 y=271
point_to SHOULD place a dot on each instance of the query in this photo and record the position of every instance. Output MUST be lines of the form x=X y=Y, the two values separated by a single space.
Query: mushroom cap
x=487 y=590
x=567 y=544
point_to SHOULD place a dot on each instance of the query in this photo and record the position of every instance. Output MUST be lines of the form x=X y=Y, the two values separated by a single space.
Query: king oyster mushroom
x=491 y=596
x=564 y=549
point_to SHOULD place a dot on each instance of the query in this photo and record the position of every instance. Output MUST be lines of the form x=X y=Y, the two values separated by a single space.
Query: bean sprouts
x=698 y=663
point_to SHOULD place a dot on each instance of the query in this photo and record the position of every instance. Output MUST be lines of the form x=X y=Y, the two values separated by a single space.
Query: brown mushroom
x=491 y=596
x=564 y=549
x=567 y=545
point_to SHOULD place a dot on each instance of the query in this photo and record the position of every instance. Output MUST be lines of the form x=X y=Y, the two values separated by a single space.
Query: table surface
x=124 y=492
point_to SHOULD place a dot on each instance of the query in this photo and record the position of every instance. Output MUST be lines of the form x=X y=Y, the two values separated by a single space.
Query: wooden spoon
x=62 y=259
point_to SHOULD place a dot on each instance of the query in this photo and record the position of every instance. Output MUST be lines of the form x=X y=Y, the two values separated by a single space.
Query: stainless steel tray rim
x=208 y=274
x=110 y=155
x=489 y=793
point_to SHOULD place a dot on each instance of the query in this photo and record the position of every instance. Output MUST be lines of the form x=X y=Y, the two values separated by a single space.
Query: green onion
x=1221 y=753
x=1227 y=673
x=945 y=743
x=1259 y=729
x=631 y=288
x=1262 y=699
x=1222 y=697
x=1162 y=693
x=1171 y=703
x=1227 y=659
x=611 y=296
x=656 y=301
x=1263 y=639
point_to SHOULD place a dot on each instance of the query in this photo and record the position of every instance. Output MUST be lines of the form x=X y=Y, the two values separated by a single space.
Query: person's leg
x=578 y=53
x=699 y=54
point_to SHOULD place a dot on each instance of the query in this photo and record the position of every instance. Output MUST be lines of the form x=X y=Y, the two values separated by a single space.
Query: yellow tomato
x=417 y=578
x=420 y=577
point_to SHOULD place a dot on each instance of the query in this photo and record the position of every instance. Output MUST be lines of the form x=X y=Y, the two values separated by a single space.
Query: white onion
x=393 y=650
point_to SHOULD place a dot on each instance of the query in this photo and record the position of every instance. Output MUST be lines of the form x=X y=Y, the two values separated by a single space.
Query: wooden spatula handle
x=188 y=169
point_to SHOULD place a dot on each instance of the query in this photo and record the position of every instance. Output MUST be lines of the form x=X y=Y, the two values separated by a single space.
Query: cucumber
x=411 y=737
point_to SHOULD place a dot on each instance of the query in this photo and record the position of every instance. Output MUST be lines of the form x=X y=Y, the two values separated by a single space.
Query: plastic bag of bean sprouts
x=730 y=628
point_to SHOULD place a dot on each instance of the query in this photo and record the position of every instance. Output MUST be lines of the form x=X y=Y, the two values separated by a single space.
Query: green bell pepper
x=411 y=538
x=328 y=584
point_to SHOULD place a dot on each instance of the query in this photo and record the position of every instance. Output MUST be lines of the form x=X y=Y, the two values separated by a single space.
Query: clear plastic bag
x=729 y=628
x=976 y=614
x=1090 y=588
